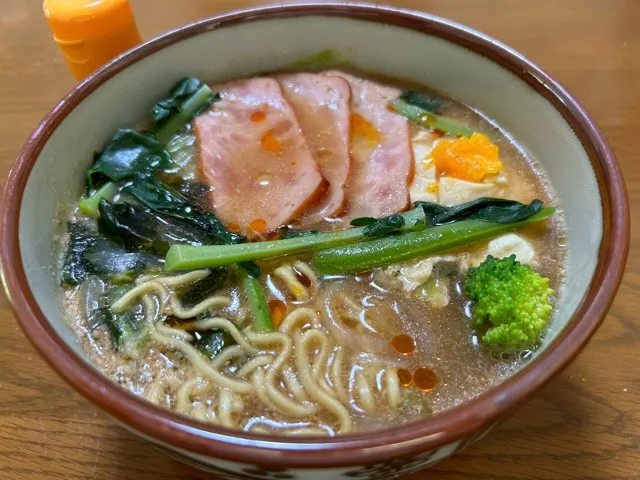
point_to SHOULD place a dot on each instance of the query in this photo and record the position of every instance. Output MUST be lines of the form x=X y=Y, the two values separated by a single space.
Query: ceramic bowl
x=515 y=94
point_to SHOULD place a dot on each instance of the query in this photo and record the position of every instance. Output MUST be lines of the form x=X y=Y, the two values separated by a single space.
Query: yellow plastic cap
x=91 y=32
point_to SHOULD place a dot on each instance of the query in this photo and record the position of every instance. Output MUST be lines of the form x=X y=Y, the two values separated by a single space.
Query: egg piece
x=425 y=186
x=453 y=191
x=511 y=244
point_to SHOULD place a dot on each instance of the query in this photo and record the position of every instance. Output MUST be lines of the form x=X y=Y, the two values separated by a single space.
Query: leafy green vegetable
x=512 y=299
x=496 y=210
x=128 y=154
x=138 y=228
x=426 y=102
x=89 y=254
x=365 y=256
x=251 y=268
x=128 y=330
x=257 y=301
x=162 y=199
x=186 y=257
x=187 y=99
x=362 y=221
x=428 y=120
x=204 y=288
x=182 y=150
x=212 y=342
x=384 y=226
x=322 y=60
x=89 y=206
x=194 y=193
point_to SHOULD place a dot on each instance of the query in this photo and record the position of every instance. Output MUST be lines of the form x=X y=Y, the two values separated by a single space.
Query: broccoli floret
x=512 y=299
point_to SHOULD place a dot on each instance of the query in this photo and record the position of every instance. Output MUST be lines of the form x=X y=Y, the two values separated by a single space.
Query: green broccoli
x=512 y=298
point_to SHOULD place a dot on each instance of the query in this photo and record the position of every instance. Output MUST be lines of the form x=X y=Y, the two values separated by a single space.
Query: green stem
x=255 y=295
x=188 y=257
x=364 y=256
x=429 y=120
x=89 y=206
x=202 y=98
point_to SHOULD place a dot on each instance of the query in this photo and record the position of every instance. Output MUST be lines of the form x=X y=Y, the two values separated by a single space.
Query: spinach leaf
x=290 y=233
x=128 y=154
x=427 y=102
x=212 y=342
x=384 y=226
x=187 y=99
x=497 y=210
x=204 y=288
x=251 y=268
x=362 y=221
x=162 y=199
x=137 y=228
x=89 y=254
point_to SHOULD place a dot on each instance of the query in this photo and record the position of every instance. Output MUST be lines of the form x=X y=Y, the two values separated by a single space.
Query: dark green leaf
x=187 y=99
x=427 y=102
x=251 y=268
x=204 y=288
x=180 y=92
x=128 y=154
x=384 y=226
x=138 y=228
x=362 y=221
x=497 y=210
x=212 y=342
x=162 y=199
x=89 y=254
x=195 y=193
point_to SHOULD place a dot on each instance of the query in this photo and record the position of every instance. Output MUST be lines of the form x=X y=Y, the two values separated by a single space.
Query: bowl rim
x=462 y=422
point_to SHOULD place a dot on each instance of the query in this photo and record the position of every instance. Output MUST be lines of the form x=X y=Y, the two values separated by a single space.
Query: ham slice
x=322 y=106
x=381 y=156
x=255 y=157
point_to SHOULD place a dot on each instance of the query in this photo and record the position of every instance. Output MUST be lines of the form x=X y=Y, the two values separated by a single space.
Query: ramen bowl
x=466 y=65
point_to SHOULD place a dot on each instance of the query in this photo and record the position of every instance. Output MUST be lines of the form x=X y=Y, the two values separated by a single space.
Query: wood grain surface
x=584 y=425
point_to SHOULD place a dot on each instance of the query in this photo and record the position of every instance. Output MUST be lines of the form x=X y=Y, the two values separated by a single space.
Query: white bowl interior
x=218 y=55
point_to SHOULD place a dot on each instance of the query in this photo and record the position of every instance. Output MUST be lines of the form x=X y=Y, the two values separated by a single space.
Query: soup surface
x=254 y=255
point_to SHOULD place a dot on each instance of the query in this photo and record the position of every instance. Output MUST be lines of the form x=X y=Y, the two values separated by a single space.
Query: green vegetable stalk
x=89 y=206
x=364 y=256
x=429 y=120
x=188 y=257
x=255 y=295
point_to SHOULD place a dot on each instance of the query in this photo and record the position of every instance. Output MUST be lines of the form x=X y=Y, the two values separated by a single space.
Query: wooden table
x=584 y=425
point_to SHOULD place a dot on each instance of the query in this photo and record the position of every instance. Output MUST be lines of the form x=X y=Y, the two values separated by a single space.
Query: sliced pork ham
x=253 y=154
x=322 y=106
x=381 y=156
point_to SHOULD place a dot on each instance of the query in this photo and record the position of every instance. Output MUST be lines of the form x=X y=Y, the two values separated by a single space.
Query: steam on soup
x=311 y=253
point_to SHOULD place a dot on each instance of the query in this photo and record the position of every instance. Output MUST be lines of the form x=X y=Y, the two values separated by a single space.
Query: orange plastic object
x=467 y=158
x=91 y=32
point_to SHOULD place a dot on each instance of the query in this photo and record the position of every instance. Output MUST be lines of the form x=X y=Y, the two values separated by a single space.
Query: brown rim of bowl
x=352 y=449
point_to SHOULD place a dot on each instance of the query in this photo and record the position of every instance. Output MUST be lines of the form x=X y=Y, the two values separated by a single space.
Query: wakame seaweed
x=89 y=254
x=204 y=288
x=137 y=228
x=212 y=342
x=292 y=233
x=162 y=199
x=497 y=210
x=129 y=154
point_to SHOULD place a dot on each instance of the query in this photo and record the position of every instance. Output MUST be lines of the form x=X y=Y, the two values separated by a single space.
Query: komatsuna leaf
x=128 y=154
x=497 y=210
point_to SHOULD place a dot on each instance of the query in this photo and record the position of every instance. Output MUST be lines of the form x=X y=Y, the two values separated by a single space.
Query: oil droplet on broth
x=258 y=117
x=405 y=377
x=270 y=143
x=403 y=344
x=302 y=278
x=259 y=225
x=278 y=311
x=425 y=379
